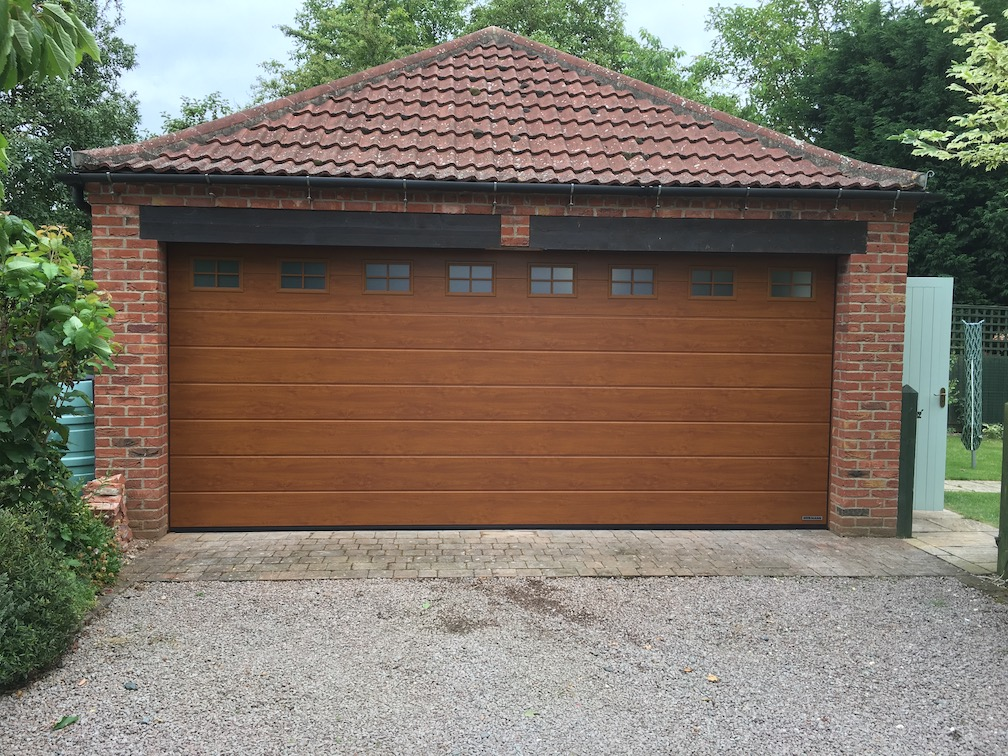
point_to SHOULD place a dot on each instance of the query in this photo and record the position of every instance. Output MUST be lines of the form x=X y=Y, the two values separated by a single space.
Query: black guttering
x=77 y=181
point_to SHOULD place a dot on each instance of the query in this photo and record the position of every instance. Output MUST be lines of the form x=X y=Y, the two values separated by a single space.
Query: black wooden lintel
x=699 y=235
x=319 y=228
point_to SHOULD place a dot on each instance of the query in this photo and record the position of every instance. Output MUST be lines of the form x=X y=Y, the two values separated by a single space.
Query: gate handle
x=941 y=398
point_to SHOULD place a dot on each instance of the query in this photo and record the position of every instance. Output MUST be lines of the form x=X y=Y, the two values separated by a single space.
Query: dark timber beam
x=319 y=228
x=699 y=235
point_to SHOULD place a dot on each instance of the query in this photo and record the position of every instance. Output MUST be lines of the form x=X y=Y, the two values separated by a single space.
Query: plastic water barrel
x=80 y=456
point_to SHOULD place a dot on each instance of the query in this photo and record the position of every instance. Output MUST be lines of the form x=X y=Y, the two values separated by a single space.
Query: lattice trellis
x=995 y=327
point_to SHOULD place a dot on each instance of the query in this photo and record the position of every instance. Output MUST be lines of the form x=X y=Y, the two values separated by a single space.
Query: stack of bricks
x=106 y=497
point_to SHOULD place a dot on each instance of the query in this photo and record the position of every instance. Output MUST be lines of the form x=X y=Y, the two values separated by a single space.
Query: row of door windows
x=396 y=277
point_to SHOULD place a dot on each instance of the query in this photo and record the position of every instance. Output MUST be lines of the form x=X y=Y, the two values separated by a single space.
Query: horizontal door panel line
x=785 y=321
x=516 y=491
x=502 y=457
x=566 y=387
x=533 y=457
x=543 y=386
x=425 y=421
x=485 y=350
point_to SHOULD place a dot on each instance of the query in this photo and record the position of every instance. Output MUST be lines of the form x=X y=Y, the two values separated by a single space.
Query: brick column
x=867 y=382
x=131 y=401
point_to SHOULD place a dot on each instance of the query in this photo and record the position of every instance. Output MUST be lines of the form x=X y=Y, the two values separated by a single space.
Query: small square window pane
x=208 y=280
x=780 y=290
x=802 y=291
x=541 y=274
x=458 y=271
x=540 y=287
x=458 y=285
x=563 y=274
x=700 y=276
x=644 y=274
x=205 y=266
x=802 y=277
x=643 y=289
x=622 y=274
x=780 y=276
x=700 y=290
x=314 y=283
x=399 y=270
x=621 y=289
x=723 y=290
x=563 y=287
x=376 y=269
x=482 y=271
x=482 y=287
x=315 y=269
x=724 y=276
x=398 y=284
x=290 y=268
x=290 y=282
x=227 y=282
x=227 y=266
x=376 y=284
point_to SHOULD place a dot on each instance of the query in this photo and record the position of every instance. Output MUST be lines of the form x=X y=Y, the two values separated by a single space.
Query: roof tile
x=494 y=106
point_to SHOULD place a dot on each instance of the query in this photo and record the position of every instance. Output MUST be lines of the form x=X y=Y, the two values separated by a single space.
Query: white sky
x=195 y=47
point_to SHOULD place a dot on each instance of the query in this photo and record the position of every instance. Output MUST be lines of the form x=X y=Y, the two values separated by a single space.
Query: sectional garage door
x=317 y=387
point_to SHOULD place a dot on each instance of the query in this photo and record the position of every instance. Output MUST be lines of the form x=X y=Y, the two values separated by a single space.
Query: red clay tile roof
x=494 y=106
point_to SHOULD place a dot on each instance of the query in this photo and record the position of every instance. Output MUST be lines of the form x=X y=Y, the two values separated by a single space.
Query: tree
x=335 y=38
x=980 y=135
x=196 y=111
x=885 y=71
x=43 y=116
x=765 y=52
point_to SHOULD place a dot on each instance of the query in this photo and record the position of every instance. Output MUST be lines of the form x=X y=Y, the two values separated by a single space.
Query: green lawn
x=957 y=460
x=985 y=507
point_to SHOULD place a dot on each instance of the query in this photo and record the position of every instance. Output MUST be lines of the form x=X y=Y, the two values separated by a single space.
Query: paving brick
x=547 y=553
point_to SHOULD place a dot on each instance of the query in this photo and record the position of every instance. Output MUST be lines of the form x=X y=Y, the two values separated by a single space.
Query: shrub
x=42 y=601
x=993 y=431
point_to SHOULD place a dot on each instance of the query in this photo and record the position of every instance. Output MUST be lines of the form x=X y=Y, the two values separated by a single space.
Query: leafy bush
x=54 y=553
x=42 y=601
x=994 y=431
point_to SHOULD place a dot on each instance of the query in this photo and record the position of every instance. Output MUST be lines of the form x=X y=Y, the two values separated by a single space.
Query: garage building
x=493 y=285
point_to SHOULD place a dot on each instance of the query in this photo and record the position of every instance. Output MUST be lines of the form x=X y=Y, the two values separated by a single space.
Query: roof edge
x=490 y=187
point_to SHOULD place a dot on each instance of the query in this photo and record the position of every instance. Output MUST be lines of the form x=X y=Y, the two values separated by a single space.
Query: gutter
x=78 y=180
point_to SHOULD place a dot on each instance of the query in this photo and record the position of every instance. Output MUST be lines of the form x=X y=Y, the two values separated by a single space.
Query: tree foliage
x=766 y=51
x=884 y=72
x=979 y=136
x=83 y=107
x=335 y=38
x=196 y=110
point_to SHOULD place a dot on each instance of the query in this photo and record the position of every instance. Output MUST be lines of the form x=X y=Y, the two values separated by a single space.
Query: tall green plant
x=53 y=331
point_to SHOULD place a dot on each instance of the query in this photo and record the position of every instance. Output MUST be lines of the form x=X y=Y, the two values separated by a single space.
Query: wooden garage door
x=686 y=403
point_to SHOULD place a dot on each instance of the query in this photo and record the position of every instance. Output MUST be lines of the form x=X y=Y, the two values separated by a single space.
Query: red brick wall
x=131 y=402
x=868 y=381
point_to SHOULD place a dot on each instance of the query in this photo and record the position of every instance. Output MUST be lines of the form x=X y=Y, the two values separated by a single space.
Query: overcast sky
x=195 y=47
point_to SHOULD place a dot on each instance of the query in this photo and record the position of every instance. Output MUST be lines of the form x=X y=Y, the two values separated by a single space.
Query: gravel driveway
x=530 y=666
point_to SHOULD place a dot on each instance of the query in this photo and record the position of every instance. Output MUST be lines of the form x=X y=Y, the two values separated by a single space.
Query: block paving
x=310 y=555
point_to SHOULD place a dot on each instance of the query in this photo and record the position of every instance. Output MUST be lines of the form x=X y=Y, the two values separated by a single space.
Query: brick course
x=131 y=402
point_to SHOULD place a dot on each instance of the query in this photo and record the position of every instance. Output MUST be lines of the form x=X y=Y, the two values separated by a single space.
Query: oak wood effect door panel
x=361 y=409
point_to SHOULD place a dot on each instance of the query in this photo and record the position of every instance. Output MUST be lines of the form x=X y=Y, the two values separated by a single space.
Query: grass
x=984 y=507
x=957 y=460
